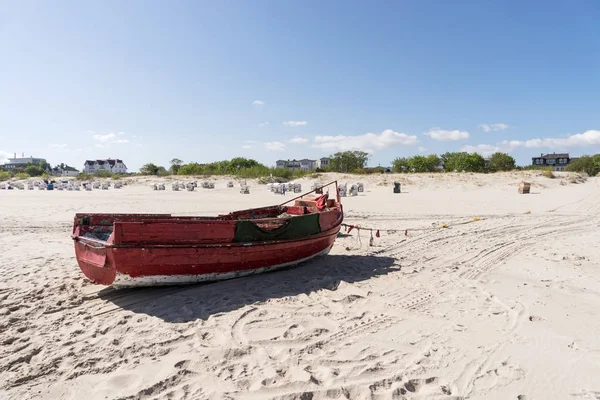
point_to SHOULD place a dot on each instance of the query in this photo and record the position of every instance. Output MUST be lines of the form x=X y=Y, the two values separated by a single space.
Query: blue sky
x=147 y=81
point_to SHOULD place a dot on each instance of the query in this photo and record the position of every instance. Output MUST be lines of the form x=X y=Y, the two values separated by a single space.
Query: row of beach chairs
x=61 y=186
x=191 y=186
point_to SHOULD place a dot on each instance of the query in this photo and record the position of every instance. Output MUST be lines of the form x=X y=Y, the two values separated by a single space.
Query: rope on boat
x=349 y=228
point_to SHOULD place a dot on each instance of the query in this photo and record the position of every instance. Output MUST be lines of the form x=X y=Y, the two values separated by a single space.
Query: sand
x=501 y=303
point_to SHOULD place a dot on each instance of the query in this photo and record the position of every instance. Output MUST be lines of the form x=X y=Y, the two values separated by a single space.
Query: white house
x=323 y=162
x=109 y=165
x=64 y=170
x=297 y=165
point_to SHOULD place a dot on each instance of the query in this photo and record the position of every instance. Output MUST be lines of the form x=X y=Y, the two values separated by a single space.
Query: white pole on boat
x=314 y=190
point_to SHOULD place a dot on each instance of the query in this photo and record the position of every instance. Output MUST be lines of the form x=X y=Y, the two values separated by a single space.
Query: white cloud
x=422 y=149
x=263 y=123
x=250 y=144
x=99 y=146
x=258 y=103
x=369 y=142
x=445 y=135
x=4 y=156
x=58 y=146
x=485 y=150
x=274 y=146
x=108 y=138
x=299 y=140
x=587 y=138
x=493 y=127
x=295 y=123
x=105 y=138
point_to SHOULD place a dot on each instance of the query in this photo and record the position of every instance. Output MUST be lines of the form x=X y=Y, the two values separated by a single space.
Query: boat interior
x=99 y=227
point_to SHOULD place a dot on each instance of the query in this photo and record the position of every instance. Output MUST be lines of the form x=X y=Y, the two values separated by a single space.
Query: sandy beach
x=473 y=291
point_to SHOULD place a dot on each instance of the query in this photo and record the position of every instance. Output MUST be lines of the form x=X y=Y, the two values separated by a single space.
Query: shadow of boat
x=188 y=303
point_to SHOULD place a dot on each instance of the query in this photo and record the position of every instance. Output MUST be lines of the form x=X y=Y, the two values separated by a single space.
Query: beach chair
x=525 y=188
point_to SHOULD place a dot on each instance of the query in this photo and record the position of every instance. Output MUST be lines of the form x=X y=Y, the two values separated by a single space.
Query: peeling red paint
x=130 y=246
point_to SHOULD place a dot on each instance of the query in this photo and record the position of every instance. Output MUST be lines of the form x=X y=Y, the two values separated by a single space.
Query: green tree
x=45 y=166
x=149 y=169
x=238 y=163
x=588 y=164
x=175 y=165
x=348 y=161
x=222 y=167
x=428 y=163
x=501 y=162
x=34 y=170
x=463 y=161
x=162 y=171
x=211 y=169
x=400 y=164
x=191 y=169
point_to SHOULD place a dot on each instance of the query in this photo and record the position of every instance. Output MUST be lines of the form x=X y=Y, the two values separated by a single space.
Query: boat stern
x=94 y=261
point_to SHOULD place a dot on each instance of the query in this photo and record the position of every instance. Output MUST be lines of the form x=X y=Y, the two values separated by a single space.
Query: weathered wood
x=153 y=249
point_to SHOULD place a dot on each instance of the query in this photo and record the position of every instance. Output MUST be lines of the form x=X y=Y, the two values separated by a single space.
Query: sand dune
x=500 y=303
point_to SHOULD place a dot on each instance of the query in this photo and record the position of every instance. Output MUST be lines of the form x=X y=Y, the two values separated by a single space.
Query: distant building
x=323 y=162
x=109 y=165
x=558 y=161
x=64 y=170
x=297 y=165
x=22 y=162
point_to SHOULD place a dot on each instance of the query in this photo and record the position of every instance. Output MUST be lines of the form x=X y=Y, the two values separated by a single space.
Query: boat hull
x=176 y=265
x=126 y=250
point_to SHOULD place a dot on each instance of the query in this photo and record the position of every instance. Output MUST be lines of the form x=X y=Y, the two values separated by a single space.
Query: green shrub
x=34 y=170
x=4 y=176
x=102 y=174
x=300 y=174
x=501 y=162
x=588 y=164
x=22 y=175
x=548 y=172
x=84 y=177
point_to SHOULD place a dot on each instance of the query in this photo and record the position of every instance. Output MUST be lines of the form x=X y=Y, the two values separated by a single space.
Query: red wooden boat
x=125 y=250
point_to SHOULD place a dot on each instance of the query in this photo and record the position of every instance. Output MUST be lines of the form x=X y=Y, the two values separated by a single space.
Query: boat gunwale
x=168 y=218
x=105 y=245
